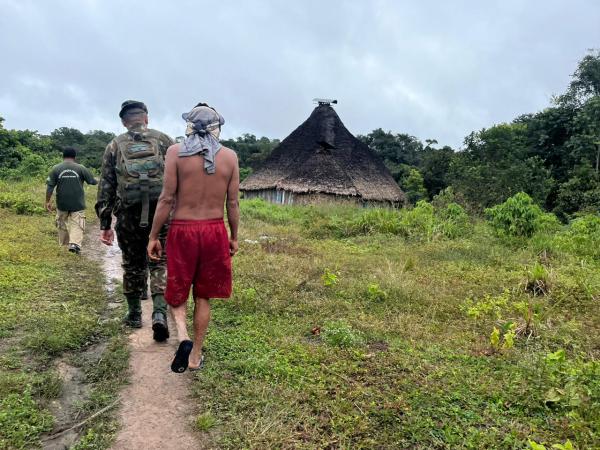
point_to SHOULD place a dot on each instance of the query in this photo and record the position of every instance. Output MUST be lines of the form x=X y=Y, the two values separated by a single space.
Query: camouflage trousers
x=133 y=242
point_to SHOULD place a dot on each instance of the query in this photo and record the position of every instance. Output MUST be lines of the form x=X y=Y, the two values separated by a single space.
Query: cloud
x=431 y=69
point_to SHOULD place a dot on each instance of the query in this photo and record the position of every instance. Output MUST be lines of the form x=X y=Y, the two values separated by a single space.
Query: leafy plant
x=509 y=337
x=568 y=445
x=490 y=306
x=20 y=203
x=517 y=216
x=341 y=334
x=375 y=293
x=572 y=385
x=495 y=339
x=503 y=339
x=582 y=237
x=538 y=280
x=329 y=278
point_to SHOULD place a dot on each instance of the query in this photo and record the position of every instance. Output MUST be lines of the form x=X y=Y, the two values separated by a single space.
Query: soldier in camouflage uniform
x=130 y=192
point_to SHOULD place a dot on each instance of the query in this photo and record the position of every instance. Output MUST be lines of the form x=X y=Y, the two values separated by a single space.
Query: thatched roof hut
x=322 y=161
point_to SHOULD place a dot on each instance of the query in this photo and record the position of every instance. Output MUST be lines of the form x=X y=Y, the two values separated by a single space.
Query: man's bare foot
x=195 y=360
x=199 y=366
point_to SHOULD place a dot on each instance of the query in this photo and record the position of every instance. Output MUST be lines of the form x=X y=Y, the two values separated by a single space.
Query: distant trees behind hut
x=553 y=155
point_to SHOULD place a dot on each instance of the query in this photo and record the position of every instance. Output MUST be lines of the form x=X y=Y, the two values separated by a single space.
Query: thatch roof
x=321 y=155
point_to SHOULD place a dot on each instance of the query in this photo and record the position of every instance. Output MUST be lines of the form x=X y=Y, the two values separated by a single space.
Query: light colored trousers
x=71 y=225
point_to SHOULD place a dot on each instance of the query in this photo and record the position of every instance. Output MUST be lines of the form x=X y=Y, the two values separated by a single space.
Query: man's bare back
x=198 y=194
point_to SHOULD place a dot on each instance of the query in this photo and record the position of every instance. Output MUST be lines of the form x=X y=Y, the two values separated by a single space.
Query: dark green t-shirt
x=68 y=178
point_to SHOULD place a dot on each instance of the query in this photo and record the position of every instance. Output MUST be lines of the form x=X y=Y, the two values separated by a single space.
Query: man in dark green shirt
x=68 y=178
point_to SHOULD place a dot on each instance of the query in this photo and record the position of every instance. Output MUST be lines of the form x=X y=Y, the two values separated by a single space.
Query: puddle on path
x=109 y=257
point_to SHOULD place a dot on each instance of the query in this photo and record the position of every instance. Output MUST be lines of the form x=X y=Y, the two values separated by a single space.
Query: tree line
x=552 y=155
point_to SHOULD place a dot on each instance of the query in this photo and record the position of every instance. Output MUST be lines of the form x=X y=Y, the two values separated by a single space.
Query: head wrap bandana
x=202 y=135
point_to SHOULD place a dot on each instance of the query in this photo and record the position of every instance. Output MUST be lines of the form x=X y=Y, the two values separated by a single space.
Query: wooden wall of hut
x=282 y=197
x=277 y=196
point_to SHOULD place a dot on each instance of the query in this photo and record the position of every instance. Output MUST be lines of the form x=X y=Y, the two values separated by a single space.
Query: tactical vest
x=139 y=168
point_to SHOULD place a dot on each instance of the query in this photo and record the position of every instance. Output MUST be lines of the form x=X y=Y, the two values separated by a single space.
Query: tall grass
x=518 y=222
x=423 y=222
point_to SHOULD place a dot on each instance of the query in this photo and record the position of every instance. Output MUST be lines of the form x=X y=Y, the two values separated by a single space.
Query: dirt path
x=156 y=410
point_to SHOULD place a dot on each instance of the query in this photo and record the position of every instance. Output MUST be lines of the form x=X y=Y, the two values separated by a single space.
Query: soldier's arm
x=166 y=142
x=107 y=187
x=166 y=201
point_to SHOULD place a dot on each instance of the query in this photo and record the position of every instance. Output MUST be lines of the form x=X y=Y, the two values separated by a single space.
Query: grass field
x=384 y=341
x=52 y=308
x=348 y=328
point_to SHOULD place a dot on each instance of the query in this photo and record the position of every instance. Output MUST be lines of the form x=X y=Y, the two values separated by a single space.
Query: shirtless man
x=200 y=177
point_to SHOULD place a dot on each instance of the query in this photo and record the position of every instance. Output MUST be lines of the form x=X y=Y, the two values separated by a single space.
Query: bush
x=257 y=208
x=20 y=203
x=377 y=220
x=538 y=280
x=33 y=165
x=244 y=173
x=582 y=237
x=518 y=216
x=419 y=222
x=454 y=221
x=340 y=334
x=375 y=293
x=24 y=164
x=413 y=186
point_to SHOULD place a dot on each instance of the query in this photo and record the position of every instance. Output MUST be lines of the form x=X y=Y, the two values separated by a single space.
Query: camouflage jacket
x=107 y=201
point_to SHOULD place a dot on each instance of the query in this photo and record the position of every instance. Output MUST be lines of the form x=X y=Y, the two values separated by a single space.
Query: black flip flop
x=180 y=362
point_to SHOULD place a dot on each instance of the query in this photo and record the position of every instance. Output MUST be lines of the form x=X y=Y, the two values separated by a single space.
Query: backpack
x=139 y=168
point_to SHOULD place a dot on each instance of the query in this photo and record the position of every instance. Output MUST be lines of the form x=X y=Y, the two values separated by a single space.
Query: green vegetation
x=205 y=422
x=52 y=308
x=519 y=216
x=426 y=327
x=348 y=336
x=348 y=327
x=553 y=155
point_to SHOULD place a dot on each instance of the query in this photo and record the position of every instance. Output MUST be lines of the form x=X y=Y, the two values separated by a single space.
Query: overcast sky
x=433 y=69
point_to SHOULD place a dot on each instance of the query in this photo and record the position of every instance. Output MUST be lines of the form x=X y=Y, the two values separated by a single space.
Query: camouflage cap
x=130 y=104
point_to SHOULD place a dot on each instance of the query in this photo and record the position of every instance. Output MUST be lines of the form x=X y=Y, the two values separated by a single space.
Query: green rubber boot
x=160 y=326
x=133 y=318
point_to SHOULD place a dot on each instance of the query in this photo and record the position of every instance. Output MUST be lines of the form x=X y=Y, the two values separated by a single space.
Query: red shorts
x=198 y=255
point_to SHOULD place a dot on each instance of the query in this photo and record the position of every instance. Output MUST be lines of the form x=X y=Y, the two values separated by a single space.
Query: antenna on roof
x=325 y=101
